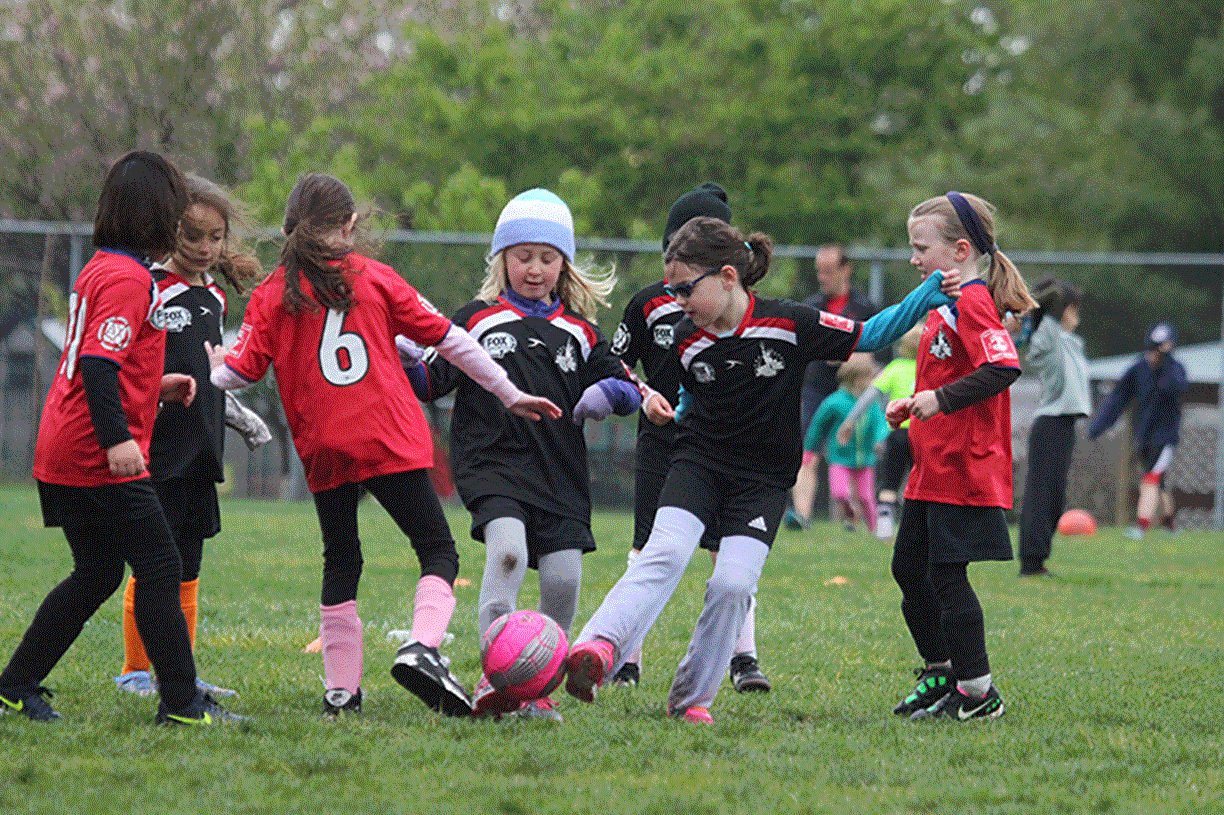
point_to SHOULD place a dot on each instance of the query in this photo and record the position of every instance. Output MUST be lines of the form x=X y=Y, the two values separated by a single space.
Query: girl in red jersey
x=527 y=485
x=737 y=450
x=93 y=443
x=185 y=453
x=960 y=437
x=326 y=322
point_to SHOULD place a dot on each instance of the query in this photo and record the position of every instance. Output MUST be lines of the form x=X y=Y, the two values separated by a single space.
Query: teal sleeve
x=682 y=403
x=886 y=327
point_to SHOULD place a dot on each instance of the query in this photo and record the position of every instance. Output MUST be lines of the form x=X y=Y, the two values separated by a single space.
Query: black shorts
x=652 y=461
x=94 y=506
x=547 y=532
x=728 y=505
x=191 y=507
x=951 y=533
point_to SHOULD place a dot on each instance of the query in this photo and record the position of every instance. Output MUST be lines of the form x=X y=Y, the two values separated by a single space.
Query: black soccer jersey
x=494 y=452
x=187 y=441
x=646 y=335
x=742 y=416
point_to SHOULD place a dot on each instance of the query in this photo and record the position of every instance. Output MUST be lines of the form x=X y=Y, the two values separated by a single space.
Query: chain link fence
x=39 y=261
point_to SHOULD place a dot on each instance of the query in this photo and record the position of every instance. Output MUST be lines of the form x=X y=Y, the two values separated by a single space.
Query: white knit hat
x=535 y=216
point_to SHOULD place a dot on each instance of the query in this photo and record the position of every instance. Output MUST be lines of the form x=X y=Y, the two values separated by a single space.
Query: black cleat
x=202 y=710
x=933 y=685
x=746 y=675
x=961 y=708
x=338 y=700
x=628 y=676
x=29 y=702
x=420 y=669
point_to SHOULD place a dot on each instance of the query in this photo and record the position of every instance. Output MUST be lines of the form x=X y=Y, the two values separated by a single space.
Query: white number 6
x=343 y=358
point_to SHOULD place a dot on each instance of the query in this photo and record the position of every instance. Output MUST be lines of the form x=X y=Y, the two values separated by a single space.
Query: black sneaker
x=338 y=700
x=420 y=669
x=746 y=675
x=933 y=685
x=628 y=676
x=29 y=702
x=961 y=708
x=202 y=710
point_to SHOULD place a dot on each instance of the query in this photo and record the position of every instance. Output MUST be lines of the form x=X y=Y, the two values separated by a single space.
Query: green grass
x=1112 y=675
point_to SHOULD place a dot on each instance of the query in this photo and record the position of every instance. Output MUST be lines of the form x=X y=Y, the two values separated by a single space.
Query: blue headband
x=973 y=224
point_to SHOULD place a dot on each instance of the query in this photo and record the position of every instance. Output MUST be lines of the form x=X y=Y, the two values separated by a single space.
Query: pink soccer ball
x=523 y=653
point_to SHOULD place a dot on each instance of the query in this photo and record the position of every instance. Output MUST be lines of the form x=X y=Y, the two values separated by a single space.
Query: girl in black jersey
x=737 y=450
x=526 y=483
x=646 y=336
x=185 y=454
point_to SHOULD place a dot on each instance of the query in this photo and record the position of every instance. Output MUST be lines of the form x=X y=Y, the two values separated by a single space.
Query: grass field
x=1112 y=674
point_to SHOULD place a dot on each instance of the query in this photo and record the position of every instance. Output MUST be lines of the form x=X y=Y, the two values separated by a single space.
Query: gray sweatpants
x=633 y=605
x=506 y=568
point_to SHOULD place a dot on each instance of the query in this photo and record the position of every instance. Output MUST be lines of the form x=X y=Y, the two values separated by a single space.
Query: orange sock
x=189 y=599
x=134 y=656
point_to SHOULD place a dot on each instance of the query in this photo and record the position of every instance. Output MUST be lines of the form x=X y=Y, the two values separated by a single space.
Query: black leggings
x=410 y=500
x=942 y=613
x=98 y=553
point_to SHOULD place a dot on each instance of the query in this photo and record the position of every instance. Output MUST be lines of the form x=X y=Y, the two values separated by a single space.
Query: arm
x=101 y=380
x=1115 y=403
x=459 y=349
x=887 y=327
x=846 y=429
x=246 y=421
x=970 y=389
x=609 y=395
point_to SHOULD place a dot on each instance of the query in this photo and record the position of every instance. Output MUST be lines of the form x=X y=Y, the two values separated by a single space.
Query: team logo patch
x=428 y=306
x=836 y=321
x=769 y=363
x=499 y=343
x=620 y=340
x=664 y=335
x=115 y=334
x=940 y=347
x=567 y=359
x=703 y=372
x=998 y=345
x=174 y=318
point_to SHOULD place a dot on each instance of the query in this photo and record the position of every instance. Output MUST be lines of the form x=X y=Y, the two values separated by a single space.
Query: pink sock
x=431 y=610
x=340 y=632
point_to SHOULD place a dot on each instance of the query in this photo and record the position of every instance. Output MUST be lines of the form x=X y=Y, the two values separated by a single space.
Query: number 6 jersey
x=350 y=408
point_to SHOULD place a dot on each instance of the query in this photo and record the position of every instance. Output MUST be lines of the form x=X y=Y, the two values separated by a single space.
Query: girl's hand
x=534 y=408
x=216 y=354
x=898 y=411
x=951 y=282
x=658 y=410
x=125 y=458
x=924 y=405
x=178 y=388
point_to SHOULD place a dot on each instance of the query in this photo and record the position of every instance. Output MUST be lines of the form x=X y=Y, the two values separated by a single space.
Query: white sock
x=975 y=688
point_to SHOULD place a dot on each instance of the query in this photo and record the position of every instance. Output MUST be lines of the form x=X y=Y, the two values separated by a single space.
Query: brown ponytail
x=317 y=208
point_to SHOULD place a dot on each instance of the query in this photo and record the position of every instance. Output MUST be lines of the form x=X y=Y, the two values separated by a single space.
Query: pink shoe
x=698 y=715
x=586 y=666
x=489 y=701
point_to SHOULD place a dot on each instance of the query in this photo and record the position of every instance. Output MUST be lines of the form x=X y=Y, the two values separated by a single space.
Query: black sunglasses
x=685 y=290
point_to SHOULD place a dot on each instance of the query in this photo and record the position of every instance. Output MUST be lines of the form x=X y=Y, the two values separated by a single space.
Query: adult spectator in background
x=1156 y=381
x=837 y=296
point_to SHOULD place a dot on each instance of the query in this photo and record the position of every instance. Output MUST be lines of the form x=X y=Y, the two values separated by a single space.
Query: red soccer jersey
x=964 y=458
x=110 y=315
x=350 y=408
